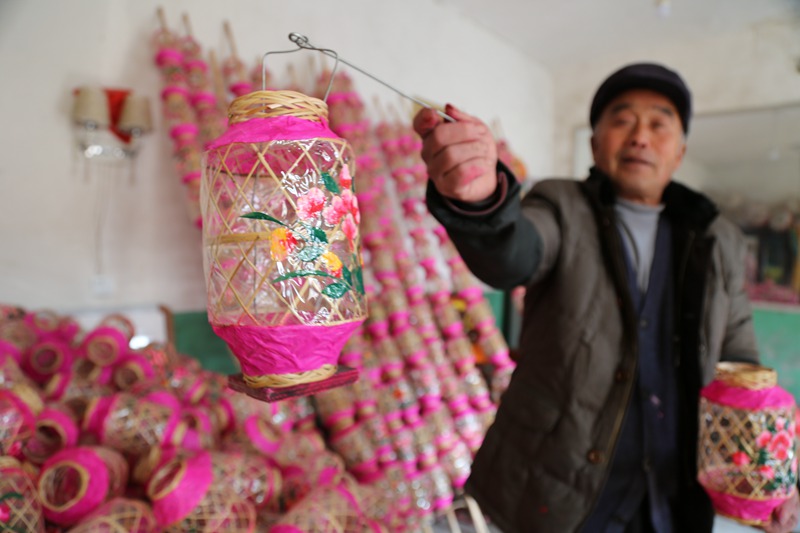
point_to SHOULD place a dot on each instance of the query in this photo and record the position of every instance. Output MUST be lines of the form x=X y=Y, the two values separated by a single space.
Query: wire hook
x=303 y=43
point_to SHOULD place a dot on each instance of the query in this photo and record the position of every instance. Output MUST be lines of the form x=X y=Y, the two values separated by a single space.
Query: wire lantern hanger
x=303 y=43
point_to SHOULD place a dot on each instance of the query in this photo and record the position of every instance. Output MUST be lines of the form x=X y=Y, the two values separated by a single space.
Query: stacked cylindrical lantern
x=746 y=454
x=20 y=507
x=280 y=229
x=75 y=481
x=56 y=429
x=118 y=515
x=189 y=495
x=131 y=424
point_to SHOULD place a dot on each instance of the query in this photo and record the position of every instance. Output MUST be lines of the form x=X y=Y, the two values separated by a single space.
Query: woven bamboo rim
x=166 y=480
x=277 y=381
x=265 y=104
x=6 y=461
x=746 y=375
x=47 y=484
x=42 y=366
x=128 y=375
x=29 y=396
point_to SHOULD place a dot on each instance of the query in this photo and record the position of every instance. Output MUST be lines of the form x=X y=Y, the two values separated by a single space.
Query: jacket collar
x=682 y=204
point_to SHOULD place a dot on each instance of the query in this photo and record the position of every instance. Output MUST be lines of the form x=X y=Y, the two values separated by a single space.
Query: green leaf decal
x=335 y=290
x=319 y=235
x=359 y=281
x=329 y=183
x=302 y=274
x=346 y=275
x=8 y=495
x=257 y=215
x=310 y=252
x=763 y=457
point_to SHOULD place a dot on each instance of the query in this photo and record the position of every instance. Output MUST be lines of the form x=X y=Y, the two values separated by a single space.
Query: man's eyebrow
x=622 y=106
x=666 y=110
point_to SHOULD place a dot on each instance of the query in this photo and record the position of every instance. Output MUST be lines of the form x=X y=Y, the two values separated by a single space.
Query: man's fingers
x=470 y=179
x=425 y=121
x=452 y=133
x=453 y=155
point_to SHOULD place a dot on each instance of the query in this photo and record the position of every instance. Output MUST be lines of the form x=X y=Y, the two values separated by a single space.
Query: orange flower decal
x=332 y=263
x=281 y=243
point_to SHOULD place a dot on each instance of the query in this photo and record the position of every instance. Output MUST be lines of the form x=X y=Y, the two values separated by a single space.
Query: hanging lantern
x=281 y=239
x=746 y=455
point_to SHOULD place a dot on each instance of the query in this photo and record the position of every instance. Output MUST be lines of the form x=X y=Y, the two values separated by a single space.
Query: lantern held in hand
x=281 y=239
x=746 y=454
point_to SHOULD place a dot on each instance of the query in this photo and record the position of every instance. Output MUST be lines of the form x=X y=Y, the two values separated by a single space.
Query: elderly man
x=635 y=290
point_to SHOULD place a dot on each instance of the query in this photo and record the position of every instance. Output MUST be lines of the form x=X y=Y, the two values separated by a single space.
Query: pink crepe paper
x=282 y=128
x=96 y=414
x=46 y=358
x=169 y=56
x=192 y=485
x=174 y=89
x=285 y=349
x=241 y=88
x=185 y=129
x=96 y=480
x=456 y=329
x=191 y=176
x=164 y=398
x=471 y=294
x=748 y=399
x=64 y=424
x=265 y=438
x=743 y=508
x=11 y=350
x=105 y=335
x=28 y=415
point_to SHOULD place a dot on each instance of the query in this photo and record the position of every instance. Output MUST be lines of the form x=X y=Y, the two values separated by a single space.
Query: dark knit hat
x=644 y=76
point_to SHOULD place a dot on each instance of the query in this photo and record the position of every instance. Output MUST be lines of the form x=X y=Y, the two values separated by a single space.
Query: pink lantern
x=746 y=454
x=280 y=230
x=19 y=502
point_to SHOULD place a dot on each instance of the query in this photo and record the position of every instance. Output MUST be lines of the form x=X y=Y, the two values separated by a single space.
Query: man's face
x=639 y=143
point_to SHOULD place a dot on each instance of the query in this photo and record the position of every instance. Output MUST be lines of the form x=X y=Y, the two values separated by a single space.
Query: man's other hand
x=784 y=517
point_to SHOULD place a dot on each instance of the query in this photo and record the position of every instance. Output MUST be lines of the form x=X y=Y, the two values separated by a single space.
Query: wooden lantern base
x=344 y=376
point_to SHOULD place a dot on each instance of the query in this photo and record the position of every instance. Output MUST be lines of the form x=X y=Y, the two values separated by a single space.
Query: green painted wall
x=778 y=334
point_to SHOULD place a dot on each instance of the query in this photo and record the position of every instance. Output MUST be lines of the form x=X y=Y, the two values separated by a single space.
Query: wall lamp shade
x=136 y=117
x=91 y=107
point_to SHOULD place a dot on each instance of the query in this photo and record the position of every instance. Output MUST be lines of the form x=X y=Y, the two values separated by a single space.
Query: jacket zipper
x=677 y=346
x=679 y=294
x=619 y=267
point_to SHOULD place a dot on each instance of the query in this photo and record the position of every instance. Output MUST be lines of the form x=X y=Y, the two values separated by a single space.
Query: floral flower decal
x=281 y=243
x=310 y=244
x=345 y=179
x=310 y=204
x=5 y=511
x=332 y=263
x=773 y=446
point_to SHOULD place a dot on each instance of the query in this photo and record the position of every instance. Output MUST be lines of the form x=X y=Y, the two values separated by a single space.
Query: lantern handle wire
x=303 y=43
x=329 y=53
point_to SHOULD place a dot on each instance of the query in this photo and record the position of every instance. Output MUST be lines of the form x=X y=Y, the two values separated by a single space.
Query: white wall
x=151 y=250
x=728 y=72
